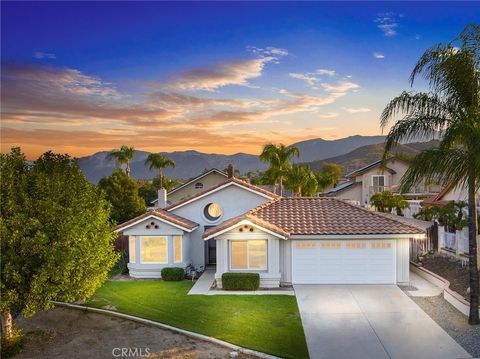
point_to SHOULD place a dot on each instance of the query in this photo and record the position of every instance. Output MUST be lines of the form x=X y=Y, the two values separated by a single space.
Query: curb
x=454 y=298
x=171 y=328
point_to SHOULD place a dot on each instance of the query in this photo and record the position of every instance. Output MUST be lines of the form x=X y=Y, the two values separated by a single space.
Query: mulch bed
x=450 y=269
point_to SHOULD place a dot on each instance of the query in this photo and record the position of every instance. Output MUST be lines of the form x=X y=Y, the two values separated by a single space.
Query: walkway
x=203 y=284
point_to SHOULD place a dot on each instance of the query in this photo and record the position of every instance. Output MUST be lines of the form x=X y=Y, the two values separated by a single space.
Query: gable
x=196 y=185
x=152 y=226
x=233 y=200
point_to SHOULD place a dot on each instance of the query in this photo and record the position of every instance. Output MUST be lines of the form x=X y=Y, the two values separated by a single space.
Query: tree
x=451 y=108
x=329 y=176
x=301 y=181
x=167 y=183
x=123 y=155
x=386 y=201
x=122 y=192
x=159 y=162
x=56 y=235
x=278 y=158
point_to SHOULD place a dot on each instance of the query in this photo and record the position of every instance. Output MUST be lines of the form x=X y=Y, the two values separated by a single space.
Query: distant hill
x=364 y=155
x=351 y=152
x=191 y=163
x=319 y=149
x=187 y=164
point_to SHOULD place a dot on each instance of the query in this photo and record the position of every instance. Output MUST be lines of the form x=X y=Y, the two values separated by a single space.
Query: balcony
x=420 y=190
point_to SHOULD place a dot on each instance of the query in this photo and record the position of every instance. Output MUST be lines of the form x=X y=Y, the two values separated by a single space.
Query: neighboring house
x=451 y=193
x=364 y=182
x=239 y=227
x=195 y=185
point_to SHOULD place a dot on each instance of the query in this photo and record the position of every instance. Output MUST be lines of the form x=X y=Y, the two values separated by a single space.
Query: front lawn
x=267 y=323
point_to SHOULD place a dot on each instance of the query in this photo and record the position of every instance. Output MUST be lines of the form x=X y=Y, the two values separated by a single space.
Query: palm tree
x=123 y=155
x=159 y=162
x=278 y=158
x=451 y=108
x=301 y=181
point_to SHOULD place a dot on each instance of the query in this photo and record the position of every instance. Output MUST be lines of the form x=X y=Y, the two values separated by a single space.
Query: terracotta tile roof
x=229 y=180
x=324 y=215
x=255 y=220
x=162 y=214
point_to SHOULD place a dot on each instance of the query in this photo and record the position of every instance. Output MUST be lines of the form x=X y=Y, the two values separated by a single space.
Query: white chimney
x=162 y=198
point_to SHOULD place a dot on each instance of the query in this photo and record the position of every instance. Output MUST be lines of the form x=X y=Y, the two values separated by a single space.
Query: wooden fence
x=419 y=247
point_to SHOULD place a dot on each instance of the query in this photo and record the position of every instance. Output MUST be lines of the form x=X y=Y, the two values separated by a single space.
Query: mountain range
x=350 y=152
x=190 y=163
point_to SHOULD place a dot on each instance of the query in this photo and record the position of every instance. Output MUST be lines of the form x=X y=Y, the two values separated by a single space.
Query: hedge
x=240 y=281
x=173 y=274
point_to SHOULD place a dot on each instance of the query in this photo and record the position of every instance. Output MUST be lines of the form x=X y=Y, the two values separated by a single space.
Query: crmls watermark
x=130 y=352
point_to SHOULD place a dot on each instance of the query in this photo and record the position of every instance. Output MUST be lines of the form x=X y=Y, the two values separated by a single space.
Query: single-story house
x=238 y=227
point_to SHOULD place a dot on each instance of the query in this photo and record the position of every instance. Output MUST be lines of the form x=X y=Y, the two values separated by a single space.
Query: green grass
x=267 y=323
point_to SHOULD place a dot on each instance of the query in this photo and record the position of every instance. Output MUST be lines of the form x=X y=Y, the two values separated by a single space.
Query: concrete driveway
x=370 y=321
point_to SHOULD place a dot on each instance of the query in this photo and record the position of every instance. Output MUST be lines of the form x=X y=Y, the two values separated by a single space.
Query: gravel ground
x=453 y=322
x=69 y=333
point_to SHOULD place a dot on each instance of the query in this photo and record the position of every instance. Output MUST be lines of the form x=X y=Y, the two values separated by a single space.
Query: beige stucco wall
x=210 y=180
x=353 y=193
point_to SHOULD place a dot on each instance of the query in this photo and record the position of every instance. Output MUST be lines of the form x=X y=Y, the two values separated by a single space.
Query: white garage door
x=344 y=262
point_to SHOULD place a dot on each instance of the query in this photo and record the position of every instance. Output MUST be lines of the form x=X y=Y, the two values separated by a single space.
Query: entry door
x=343 y=262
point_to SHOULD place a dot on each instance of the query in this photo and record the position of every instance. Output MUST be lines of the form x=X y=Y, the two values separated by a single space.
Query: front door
x=212 y=251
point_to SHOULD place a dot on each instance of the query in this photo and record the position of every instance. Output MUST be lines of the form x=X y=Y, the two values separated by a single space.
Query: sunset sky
x=213 y=77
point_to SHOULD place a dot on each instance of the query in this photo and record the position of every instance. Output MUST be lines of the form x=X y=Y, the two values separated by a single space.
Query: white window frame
x=141 y=245
x=384 y=182
x=181 y=249
x=248 y=269
x=132 y=253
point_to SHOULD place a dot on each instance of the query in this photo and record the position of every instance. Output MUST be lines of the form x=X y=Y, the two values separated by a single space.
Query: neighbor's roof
x=228 y=182
x=194 y=180
x=340 y=187
x=321 y=216
x=162 y=215
x=372 y=165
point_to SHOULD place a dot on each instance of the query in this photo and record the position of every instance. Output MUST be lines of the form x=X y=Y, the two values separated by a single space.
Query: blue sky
x=215 y=77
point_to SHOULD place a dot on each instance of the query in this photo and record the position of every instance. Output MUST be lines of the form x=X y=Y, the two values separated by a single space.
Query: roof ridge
x=375 y=213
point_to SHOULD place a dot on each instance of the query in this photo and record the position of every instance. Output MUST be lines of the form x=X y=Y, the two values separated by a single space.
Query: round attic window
x=212 y=211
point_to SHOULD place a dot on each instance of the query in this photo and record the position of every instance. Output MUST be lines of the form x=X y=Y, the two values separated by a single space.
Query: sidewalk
x=424 y=288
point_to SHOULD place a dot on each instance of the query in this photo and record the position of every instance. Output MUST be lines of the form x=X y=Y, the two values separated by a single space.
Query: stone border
x=169 y=327
x=454 y=298
x=249 y=292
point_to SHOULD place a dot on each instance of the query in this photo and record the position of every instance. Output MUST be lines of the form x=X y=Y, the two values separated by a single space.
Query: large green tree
x=123 y=193
x=158 y=162
x=451 y=109
x=301 y=181
x=123 y=155
x=329 y=176
x=56 y=235
x=278 y=158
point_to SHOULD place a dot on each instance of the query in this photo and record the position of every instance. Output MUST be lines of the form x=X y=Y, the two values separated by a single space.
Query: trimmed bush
x=240 y=281
x=10 y=348
x=173 y=274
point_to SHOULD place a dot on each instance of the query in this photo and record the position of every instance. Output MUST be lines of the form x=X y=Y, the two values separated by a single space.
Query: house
x=378 y=177
x=238 y=227
x=195 y=185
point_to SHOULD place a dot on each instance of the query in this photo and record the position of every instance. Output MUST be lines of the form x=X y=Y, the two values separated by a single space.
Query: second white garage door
x=343 y=262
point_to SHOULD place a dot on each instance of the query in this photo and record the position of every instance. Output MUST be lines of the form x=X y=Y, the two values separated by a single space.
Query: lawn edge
x=169 y=327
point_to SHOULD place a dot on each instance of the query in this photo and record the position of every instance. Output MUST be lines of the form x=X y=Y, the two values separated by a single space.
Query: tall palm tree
x=123 y=155
x=278 y=157
x=159 y=162
x=301 y=181
x=451 y=109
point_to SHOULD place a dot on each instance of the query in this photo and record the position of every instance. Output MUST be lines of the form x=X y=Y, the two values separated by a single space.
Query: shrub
x=13 y=346
x=240 y=281
x=173 y=274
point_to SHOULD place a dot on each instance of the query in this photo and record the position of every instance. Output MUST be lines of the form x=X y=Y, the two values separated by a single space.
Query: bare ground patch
x=69 y=333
